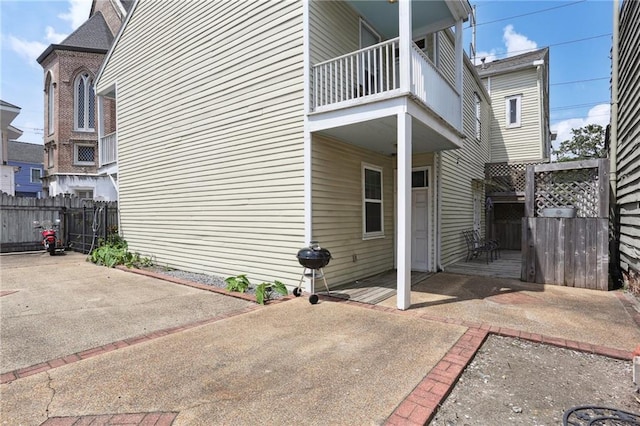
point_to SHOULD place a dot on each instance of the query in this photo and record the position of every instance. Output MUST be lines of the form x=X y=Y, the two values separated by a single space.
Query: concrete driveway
x=287 y=363
x=83 y=344
x=578 y=314
x=63 y=305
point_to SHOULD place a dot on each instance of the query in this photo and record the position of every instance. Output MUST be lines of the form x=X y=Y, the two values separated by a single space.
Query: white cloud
x=29 y=50
x=517 y=43
x=53 y=37
x=78 y=12
x=514 y=44
x=599 y=114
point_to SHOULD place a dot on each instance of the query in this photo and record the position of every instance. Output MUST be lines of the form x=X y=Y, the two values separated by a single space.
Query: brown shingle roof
x=92 y=36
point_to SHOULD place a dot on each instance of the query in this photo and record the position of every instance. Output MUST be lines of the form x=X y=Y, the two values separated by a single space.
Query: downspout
x=538 y=64
x=115 y=184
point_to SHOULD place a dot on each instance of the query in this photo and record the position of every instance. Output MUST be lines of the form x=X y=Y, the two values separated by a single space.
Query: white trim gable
x=113 y=45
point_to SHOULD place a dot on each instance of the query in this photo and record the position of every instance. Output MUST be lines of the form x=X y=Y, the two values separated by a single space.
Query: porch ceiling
x=380 y=135
x=426 y=15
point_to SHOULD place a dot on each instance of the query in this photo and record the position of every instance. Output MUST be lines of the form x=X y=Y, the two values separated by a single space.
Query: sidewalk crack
x=53 y=393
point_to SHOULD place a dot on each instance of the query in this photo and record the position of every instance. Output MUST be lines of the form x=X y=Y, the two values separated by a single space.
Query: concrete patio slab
x=289 y=363
x=60 y=305
x=596 y=317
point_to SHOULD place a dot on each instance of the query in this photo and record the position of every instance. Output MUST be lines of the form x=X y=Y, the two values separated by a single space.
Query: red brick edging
x=136 y=419
x=419 y=407
x=89 y=353
x=422 y=403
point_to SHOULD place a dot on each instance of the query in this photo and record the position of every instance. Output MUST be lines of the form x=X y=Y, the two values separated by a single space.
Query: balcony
x=372 y=74
x=108 y=149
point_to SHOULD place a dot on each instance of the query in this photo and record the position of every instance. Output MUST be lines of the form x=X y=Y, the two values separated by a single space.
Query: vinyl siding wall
x=628 y=140
x=518 y=143
x=210 y=131
x=337 y=210
x=458 y=169
x=334 y=30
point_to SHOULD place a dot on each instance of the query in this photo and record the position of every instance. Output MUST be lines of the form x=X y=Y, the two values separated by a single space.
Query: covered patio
x=381 y=287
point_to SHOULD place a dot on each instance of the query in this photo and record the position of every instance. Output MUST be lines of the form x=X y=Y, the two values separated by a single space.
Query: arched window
x=84 y=108
x=51 y=104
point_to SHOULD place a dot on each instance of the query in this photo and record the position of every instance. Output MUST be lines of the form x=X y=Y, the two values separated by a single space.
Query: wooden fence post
x=529 y=192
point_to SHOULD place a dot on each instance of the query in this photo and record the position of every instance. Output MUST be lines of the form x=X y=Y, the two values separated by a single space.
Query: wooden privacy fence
x=569 y=251
x=81 y=221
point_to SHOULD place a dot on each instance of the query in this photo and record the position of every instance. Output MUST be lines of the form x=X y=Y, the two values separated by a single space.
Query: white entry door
x=419 y=230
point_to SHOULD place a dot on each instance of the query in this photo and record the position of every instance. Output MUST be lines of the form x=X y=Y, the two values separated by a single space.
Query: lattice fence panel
x=508 y=177
x=568 y=188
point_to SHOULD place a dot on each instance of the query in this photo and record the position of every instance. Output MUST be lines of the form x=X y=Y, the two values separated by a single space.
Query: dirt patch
x=516 y=382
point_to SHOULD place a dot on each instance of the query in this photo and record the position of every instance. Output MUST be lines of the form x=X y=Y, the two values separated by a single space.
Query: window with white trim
x=49 y=155
x=84 y=154
x=514 y=110
x=372 y=208
x=429 y=45
x=478 y=116
x=419 y=178
x=51 y=105
x=84 y=194
x=84 y=106
x=36 y=175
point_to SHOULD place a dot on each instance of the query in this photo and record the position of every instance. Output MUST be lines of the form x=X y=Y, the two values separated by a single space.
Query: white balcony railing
x=108 y=148
x=373 y=73
x=366 y=72
x=430 y=86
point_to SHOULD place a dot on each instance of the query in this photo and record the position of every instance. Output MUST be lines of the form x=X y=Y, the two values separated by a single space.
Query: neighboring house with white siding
x=243 y=134
x=625 y=155
x=519 y=133
x=8 y=113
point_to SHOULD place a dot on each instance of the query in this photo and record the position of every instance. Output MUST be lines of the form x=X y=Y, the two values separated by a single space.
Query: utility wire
x=550 y=45
x=579 y=81
x=580 y=105
x=529 y=13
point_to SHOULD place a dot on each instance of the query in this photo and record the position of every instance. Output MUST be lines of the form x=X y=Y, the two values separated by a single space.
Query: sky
x=578 y=33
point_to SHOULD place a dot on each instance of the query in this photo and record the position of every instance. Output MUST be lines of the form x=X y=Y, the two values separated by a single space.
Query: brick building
x=70 y=109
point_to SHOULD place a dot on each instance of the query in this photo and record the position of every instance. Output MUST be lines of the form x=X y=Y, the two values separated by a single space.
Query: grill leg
x=325 y=280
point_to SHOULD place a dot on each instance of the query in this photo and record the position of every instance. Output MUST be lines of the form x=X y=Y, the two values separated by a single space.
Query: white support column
x=99 y=110
x=404 y=211
x=308 y=181
x=404 y=32
x=459 y=53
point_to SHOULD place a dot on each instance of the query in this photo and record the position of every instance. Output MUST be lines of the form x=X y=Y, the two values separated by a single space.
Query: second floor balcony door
x=369 y=75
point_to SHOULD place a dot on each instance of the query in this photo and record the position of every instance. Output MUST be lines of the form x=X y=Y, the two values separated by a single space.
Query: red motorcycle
x=50 y=239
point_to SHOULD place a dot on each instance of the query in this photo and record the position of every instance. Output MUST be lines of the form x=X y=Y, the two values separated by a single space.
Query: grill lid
x=314 y=257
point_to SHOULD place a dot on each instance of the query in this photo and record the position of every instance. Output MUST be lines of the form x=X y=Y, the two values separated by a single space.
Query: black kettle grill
x=313 y=258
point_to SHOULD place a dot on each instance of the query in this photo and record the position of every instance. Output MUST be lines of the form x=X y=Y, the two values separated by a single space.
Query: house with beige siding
x=519 y=135
x=624 y=153
x=244 y=134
